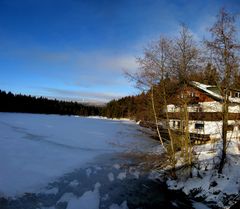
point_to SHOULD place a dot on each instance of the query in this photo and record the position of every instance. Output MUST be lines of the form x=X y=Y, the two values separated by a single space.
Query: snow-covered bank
x=206 y=185
x=114 y=119
x=35 y=149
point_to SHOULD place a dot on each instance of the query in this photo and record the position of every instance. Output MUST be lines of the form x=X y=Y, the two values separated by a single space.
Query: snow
x=111 y=177
x=66 y=197
x=105 y=197
x=213 y=187
x=53 y=190
x=198 y=205
x=122 y=175
x=115 y=119
x=117 y=166
x=48 y=208
x=134 y=172
x=88 y=172
x=205 y=88
x=36 y=149
x=122 y=206
x=74 y=183
x=89 y=200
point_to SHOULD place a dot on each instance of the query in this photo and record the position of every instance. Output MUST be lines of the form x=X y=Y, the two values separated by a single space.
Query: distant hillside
x=29 y=104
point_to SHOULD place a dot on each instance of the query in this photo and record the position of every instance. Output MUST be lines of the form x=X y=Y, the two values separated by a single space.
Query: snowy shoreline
x=206 y=185
x=39 y=148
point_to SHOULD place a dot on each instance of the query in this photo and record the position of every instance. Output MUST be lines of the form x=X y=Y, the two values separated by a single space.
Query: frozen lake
x=51 y=161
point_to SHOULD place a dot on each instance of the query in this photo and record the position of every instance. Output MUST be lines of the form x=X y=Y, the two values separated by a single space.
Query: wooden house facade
x=203 y=105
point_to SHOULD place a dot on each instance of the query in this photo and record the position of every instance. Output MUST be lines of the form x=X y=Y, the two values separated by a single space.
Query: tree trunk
x=172 y=153
x=155 y=118
x=224 y=133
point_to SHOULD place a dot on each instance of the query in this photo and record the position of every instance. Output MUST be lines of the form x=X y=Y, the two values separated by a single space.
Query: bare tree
x=159 y=58
x=185 y=55
x=175 y=59
x=146 y=78
x=224 y=48
x=152 y=74
x=185 y=61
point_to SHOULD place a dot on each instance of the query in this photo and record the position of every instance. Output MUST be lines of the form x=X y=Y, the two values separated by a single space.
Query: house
x=204 y=112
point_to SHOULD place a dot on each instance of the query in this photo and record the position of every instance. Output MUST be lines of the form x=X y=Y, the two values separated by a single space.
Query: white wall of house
x=205 y=107
x=217 y=107
x=214 y=128
x=172 y=108
x=234 y=108
x=211 y=106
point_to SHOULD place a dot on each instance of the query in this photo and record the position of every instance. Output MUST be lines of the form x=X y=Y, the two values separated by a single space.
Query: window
x=178 y=124
x=198 y=108
x=199 y=126
x=237 y=94
x=174 y=124
x=192 y=94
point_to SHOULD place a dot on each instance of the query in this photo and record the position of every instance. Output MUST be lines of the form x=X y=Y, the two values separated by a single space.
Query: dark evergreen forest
x=133 y=107
x=10 y=102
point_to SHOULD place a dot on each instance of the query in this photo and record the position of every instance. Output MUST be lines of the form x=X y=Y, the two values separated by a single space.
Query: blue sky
x=77 y=49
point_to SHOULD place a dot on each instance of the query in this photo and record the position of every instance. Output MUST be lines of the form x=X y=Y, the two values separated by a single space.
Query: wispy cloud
x=73 y=67
x=106 y=59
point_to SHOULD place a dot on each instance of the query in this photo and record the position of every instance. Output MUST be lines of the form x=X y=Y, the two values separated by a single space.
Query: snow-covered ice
x=105 y=197
x=88 y=172
x=198 y=205
x=53 y=190
x=117 y=166
x=36 y=149
x=122 y=175
x=134 y=172
x=74 y=183
x=48 y=208
x=111 y=177
x=122 y=206
x=66 y=197
x=89 y=200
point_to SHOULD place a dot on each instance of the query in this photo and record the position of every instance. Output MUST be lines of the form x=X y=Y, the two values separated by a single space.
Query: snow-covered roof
x=206 y=89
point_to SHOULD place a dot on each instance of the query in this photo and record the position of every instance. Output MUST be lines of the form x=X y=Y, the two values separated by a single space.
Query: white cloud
x=106 y=61
x=74 y=60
